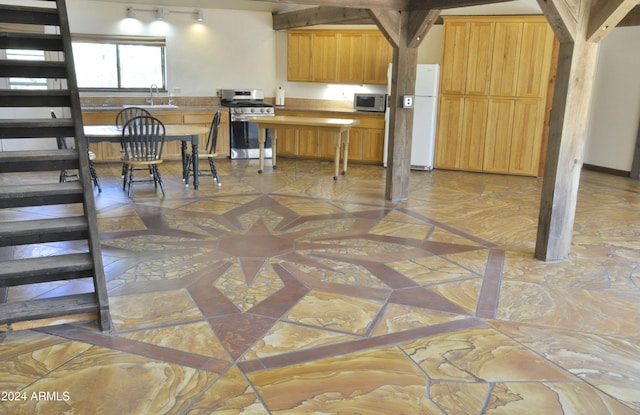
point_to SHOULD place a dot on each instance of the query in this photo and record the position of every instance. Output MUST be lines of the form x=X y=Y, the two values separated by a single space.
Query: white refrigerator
x=425 y=115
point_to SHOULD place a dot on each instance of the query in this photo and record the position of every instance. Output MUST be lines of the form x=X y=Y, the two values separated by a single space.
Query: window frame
x=125 y=40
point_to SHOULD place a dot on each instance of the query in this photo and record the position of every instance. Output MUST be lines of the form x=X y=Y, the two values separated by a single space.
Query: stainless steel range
x=244 y=104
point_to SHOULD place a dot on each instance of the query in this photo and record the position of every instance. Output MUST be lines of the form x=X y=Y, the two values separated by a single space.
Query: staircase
x=48 y=230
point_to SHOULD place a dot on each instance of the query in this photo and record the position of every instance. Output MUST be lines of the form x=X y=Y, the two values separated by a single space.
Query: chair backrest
x=128 y=113
x=143 y=138
x=212 y=140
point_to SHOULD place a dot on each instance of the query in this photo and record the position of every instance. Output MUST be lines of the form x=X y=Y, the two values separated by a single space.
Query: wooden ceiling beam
x=448 y=4
x=388 y=22
x=352 y=4
x=631 y=19
x=562 y=18
x=321 y=15
x=420 y=22
x=605 y=15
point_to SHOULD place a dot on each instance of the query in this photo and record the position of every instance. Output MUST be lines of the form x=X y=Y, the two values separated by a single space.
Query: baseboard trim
x=607 y=170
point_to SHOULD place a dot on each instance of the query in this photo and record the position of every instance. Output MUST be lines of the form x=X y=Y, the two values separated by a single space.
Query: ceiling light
x=131 y=14
x=199 y=16
x=160 y=14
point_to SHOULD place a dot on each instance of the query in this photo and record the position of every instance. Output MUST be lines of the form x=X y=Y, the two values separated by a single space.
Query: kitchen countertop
x=341 y=111
x=327 y=110
x=178 y=108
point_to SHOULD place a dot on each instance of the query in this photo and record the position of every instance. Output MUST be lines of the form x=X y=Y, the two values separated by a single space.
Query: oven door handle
x=245 y=118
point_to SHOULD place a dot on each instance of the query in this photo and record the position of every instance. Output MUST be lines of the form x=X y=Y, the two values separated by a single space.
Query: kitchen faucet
x=151 y=92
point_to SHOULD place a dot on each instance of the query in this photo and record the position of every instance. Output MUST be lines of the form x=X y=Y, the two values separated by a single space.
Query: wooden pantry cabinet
x=111 y=151
x=496 y=74
x=338 y=56
x=366 y=140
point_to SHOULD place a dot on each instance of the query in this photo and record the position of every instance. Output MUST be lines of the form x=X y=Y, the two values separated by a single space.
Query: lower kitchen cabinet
x=366 y=141
x=172 y=149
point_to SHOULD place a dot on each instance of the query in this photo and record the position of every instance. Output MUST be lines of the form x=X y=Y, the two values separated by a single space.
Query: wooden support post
x=404 y=30
x=635 y=165
x=567 y=136
x=578 y=25
x=403 y=77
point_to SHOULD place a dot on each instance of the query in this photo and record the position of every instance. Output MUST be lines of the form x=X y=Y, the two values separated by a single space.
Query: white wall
x=230 y=49
x=615 y=106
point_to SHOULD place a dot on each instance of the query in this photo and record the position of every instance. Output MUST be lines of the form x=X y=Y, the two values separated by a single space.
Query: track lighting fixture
x=160 y=12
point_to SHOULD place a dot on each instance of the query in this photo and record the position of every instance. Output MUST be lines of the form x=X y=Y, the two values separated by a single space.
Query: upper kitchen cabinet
x=338 y=56
x=299 y=56
x=378 y=54
x=324 y=53
x=497 y=71
x=350 y=64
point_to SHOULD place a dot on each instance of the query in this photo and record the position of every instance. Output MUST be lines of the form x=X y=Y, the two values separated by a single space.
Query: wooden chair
x=125 y=115
x=64 y=173
x=142 y=144
x=209 y=153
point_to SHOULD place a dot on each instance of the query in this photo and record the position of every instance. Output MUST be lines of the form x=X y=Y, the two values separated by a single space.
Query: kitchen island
x=336 y=127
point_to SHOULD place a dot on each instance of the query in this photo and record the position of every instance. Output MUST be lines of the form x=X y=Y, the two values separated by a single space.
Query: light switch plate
x=407 y=101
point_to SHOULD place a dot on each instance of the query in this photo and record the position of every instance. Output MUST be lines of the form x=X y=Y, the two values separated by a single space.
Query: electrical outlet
x=407 y=101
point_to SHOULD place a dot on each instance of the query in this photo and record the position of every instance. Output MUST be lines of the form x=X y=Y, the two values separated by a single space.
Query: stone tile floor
x=292 y=293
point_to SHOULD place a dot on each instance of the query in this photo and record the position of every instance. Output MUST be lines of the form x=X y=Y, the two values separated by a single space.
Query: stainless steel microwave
x=370 y=102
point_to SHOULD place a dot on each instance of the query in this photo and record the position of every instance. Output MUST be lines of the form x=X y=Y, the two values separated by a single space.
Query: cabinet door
x=528 y=122
x=474 y=127
x=299 y=57
x=324 y=57
x=307 y=142
x=326 y=144
x=224 y=136
x=497 y=146
x=480 y=52
x=506 y=59
x=378 y=54
x=350 y=58
x=355 y=144
x=372 y=145
x=287 y=144
x=449 y=132
x=454 y=60
x=535 y=61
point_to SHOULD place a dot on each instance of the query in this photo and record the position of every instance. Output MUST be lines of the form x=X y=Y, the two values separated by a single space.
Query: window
x=26 y=83
x=119 y=63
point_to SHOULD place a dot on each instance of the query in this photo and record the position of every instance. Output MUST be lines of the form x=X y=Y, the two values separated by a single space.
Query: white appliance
x=425 y=110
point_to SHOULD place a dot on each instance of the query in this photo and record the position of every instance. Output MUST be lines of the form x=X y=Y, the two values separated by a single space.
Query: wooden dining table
x=173 y=132
x=338 y=126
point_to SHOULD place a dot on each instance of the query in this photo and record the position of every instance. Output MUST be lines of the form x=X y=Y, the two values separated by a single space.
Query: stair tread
x=36 y=127
x=48 y=268
x=38 y=155
x=37 y=122
x=40 y=190
x=33 y=41
x=43 y=230
x=29 y=15
x=48 y=308
x=46 y=98
x=33 y=69
x=8 y=93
